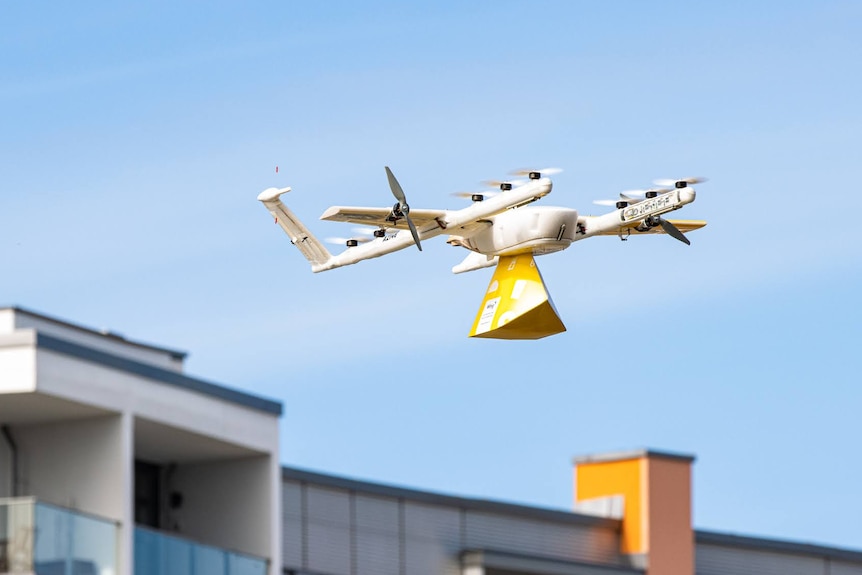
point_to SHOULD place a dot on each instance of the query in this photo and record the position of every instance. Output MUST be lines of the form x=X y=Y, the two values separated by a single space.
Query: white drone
x=497 y=228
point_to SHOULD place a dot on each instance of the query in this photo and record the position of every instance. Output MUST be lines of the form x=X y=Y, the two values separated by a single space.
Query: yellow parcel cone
x=517 y=305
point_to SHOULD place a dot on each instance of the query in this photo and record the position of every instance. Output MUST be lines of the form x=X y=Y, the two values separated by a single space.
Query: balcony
x=43 y=539
x=159 y=552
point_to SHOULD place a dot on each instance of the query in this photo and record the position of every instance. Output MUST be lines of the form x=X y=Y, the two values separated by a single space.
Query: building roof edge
x=435 y=498
x=632 y=454
x=161 y=375
x=176 y=354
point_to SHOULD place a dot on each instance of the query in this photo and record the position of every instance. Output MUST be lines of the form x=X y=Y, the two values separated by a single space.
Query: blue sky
x=134 y=139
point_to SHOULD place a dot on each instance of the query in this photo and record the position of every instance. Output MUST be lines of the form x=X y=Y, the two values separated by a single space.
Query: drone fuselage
x=536 y=230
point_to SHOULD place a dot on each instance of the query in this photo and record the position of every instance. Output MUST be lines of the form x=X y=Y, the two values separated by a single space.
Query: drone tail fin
x=313 y=250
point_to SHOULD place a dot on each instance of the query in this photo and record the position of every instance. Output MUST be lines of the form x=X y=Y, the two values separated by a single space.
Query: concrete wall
x=17 y=362
x=76 y=464
x=224 y=502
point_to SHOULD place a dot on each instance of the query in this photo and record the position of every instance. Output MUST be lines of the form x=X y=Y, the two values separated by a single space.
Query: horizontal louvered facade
x=337 y=526
x=720 y=554
x=340 y=527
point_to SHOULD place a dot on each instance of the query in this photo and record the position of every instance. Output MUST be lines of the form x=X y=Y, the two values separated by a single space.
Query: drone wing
x=684 y=226
x=378 y=217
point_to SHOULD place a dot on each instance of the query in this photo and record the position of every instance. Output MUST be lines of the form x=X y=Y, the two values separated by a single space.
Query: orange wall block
x=605 y=479
x=656 y=491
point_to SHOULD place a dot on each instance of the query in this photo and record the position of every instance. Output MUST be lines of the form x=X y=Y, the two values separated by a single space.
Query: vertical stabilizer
x=313 y=250
x=517 y=304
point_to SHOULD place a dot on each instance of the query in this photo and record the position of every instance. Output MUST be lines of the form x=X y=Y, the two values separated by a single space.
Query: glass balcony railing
x=158 y=552
x=43 y=539
x=40 y=538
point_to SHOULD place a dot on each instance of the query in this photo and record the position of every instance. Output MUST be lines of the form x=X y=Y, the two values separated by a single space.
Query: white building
x=114 y=462
x=156 y=467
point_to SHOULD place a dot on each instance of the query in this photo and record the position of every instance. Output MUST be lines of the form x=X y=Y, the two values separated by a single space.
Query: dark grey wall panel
x=377 y=553
x=720 y=560
x=572 y=542
x=433 y=539
x=328 y=549
x=331 y=506
x=378 y=514
x=842 y=568
x=291 y=533
x=429 y=557
x=328 y=530
x=376 y=532
x=434 y=523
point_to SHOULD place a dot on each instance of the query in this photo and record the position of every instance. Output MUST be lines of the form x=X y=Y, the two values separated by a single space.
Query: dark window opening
x=148 y=494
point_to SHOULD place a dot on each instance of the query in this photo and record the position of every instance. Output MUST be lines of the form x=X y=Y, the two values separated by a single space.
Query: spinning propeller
x=640 y=195
x=506 y=185
x=349 y=242
x=361 y=237
x=633 y=196
x=534 y=174
x=401 y=209
x=679 y=183
x=624 y=199
x=475 y=196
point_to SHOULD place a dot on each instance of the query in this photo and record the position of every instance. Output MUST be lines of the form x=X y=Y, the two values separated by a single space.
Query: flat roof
x=142 y=369
x=166 y=376
x=176 y=354
x=632 y=454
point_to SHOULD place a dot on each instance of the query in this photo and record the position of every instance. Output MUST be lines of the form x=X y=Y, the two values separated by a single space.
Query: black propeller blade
x=669 y=228
x=673 y=231
x=402 y=205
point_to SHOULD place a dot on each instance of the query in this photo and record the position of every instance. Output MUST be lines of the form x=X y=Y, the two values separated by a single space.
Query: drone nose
x=687 y=195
